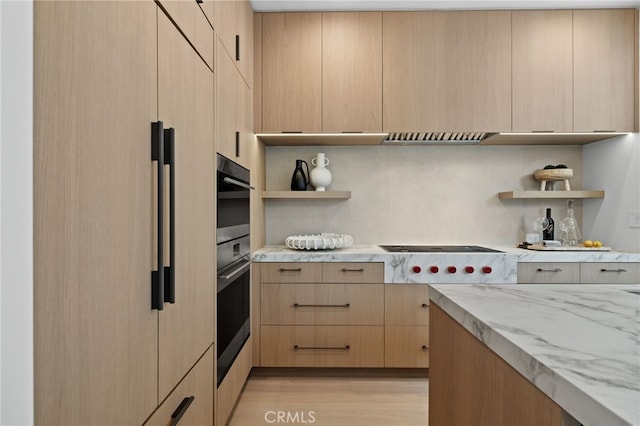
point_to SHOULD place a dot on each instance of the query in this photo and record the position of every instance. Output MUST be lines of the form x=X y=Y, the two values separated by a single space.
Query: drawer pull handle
x=182 y=408
x=549 y=270
x=342 y=348
x=425 y=305
x=290 y=270
x=352 y=270
x=613 y=270
x=300 y=305
x=425 y=347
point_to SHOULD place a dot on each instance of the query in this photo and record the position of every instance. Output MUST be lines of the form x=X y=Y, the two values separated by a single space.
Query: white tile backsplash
x=423 y=195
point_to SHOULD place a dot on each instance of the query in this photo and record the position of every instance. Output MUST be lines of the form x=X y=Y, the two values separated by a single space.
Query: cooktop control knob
x=416 y=269
x=434 y=269
x=486 y=269
x=469 y=269
x=452 y=269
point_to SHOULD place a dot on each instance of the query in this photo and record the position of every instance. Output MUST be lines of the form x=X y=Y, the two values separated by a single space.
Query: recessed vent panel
x=436 y=138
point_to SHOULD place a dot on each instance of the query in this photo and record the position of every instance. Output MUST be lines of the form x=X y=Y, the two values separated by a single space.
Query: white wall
x=16 y=212
x=436 y=194
x=614 y=165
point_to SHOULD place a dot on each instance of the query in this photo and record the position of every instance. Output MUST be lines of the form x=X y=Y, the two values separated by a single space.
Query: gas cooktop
x=438 y=249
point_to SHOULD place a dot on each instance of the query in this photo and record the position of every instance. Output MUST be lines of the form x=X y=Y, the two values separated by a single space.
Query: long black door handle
x=170 y=271
x=157 y=276
x=182 y=408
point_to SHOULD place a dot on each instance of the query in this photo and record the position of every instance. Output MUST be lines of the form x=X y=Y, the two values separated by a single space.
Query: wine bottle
x=547 y=233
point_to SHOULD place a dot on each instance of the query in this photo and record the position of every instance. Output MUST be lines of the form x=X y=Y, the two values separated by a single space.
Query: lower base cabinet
x=578 y=272
x=229 y=390
x=191 y=402
x=323 y=346
x=470 y=385
x=406 y=346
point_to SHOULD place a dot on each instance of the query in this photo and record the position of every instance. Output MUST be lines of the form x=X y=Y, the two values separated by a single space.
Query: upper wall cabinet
x=234 y=27
x=194 y=26
x=603 y=63
x=542 y=70
x=291 y=72
x=352 y=72
x=322 y=72
x=447 y=71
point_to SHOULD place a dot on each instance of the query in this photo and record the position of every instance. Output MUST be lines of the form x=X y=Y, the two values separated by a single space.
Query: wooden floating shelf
x=306 y=195
x=511 y=195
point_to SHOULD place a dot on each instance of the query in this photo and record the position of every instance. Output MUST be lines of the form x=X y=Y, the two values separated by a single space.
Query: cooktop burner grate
x=437 y=249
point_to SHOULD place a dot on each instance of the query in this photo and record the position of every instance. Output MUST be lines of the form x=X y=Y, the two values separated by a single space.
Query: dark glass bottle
x=547 y=233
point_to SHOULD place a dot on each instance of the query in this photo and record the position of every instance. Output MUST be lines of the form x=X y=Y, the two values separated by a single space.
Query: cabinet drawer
x=295 y=272
x=610 y=273
x=322 y=346
x=322 y=304
x=197 y=384
x=352 y=272
x=406 y=346
x=406 y=304
x=548 y=273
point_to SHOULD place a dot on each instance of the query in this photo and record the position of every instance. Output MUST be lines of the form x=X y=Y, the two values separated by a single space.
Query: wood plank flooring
x=333 y=397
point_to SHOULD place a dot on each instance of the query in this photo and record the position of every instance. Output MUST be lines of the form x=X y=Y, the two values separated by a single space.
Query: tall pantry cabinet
x=103 y=72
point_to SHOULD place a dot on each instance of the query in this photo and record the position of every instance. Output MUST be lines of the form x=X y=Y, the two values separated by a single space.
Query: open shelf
x=510 y=195
x=306 y=195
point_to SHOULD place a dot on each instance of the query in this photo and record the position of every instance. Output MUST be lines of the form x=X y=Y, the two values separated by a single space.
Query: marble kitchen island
x=576 y=346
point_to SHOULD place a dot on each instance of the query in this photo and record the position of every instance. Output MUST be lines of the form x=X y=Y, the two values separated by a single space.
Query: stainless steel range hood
x=436 y=138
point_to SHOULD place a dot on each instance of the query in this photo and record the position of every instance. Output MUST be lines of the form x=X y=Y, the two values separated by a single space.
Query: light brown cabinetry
x=191 y=402
x=470 y=384
x=185 y=102
x=234 y=28
x=189 y=19
x=578 y=273
x=234 y=118
x=92 y=212
x=102 y=355
x=352 y=72
x=406 y=321
x=609 y=272
x=604 y=52
x=321 y=315
x=291 y=72
x=542 y=70
x=447 y=71
x=338 y=314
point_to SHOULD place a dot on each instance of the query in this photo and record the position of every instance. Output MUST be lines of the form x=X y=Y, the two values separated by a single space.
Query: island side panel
x=470 y=384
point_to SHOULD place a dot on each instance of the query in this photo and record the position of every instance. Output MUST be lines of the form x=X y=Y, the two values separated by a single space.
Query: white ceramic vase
x=320 y=176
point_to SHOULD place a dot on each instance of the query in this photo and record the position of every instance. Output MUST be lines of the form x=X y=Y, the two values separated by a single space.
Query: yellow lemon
x=597 y=243
x=587 y=243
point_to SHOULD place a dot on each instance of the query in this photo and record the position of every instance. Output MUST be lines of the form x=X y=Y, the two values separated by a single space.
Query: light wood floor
x=333 y=398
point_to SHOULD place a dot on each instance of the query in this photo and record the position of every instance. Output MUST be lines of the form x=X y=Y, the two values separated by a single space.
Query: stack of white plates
x=324 y=241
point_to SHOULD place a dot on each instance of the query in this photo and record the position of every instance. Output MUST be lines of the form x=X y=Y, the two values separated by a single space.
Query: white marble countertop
x=398 y=266
x=579 y=344
x=373 y=253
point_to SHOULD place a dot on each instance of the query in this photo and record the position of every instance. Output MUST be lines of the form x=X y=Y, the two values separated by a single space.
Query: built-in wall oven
x=233 y=262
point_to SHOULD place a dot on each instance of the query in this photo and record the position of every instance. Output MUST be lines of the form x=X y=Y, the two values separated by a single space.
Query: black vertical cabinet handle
x=237 y=144
x=237 y=47
x=170 y=271
x=182 y=408
x=157 y=277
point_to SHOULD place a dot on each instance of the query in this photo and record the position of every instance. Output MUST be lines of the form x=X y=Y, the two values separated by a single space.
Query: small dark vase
x=299 y=180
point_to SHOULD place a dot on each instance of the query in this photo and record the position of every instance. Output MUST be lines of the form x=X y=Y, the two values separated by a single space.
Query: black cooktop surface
x=439 y=249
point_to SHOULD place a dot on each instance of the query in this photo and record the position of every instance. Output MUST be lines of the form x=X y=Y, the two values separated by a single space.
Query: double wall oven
x=233 y=262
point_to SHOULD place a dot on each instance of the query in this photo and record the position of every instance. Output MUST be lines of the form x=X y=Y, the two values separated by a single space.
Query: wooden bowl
x=553 y=174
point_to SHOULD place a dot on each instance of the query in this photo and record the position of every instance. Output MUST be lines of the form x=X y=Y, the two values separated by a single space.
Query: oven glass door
x=233 y=325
